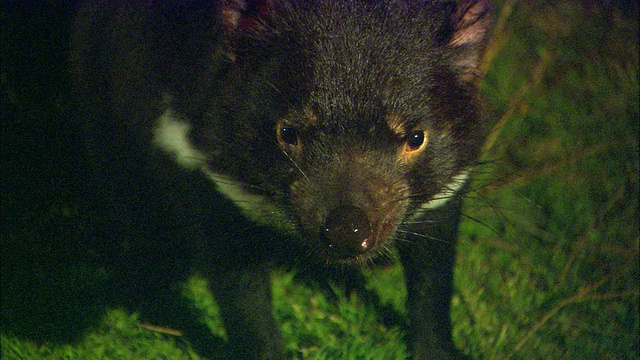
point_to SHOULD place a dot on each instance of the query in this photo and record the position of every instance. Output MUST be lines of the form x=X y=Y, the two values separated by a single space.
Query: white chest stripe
x=443 y=197
x=171 y=136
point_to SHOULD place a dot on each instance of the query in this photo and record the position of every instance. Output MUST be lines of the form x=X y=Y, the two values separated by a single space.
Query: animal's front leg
x=244 y=296
x=428 y=256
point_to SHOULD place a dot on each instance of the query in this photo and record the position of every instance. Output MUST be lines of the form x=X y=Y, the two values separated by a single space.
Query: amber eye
x=288 y=135
x=416 y=140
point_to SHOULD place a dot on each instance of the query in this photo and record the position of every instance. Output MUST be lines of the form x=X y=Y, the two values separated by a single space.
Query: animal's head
x=343 y=120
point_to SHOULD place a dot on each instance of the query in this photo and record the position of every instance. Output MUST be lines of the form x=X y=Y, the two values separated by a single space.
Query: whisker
x=478 y=221
x=423 y=236
x=295 y=164
x=424 y=221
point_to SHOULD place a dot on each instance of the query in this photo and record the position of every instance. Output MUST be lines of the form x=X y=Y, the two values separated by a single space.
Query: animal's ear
x=470 y=22
x=245 y=16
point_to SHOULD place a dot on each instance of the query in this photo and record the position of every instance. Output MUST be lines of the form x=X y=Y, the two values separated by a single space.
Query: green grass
x=548 y=262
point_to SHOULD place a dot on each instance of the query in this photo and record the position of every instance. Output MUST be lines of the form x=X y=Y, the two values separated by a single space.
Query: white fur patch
x=256 y=207
x=443 y=197
x=171 y=135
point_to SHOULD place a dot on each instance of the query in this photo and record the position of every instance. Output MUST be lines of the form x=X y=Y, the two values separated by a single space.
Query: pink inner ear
x=471 y=23
x=245 y=15
x=230 y=12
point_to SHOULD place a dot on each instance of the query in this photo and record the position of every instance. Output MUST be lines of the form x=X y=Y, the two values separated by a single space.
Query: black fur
x=344 y=116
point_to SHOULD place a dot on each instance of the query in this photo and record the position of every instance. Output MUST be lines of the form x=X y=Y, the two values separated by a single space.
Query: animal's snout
x=347 y=232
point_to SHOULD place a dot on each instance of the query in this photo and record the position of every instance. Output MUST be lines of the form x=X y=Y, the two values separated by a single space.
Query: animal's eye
x=288 y=135
x=416 y=140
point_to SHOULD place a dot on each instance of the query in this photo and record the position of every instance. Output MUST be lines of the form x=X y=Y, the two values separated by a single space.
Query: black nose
x=345 y=231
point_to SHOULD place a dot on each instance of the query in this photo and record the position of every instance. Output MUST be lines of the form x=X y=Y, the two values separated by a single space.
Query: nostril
x=345 y=231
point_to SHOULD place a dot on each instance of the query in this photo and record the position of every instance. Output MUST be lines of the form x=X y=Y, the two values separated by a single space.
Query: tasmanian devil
x=241 y=130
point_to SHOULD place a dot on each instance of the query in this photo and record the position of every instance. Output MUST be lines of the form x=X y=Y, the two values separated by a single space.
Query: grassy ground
x=548 y=262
